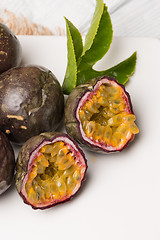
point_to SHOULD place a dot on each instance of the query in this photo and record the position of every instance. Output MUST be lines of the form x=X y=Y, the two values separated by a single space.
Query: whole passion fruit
x=10 y=49
x=100 y=115
x=7 y=163
x=50 y=170
x=31 y=102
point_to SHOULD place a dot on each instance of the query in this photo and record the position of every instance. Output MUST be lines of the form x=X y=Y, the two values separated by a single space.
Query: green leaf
x=97 y=42
x=70 y=80
x=76 y=38
x=121 y=71
x=94 y=25
x=100 y=44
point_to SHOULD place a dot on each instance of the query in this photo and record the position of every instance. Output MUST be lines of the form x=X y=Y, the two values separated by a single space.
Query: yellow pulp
x=54 y=174
x=104 y=117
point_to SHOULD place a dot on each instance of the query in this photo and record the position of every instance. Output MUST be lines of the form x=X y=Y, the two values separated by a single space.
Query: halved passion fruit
x=50 y=170
x=100 y=115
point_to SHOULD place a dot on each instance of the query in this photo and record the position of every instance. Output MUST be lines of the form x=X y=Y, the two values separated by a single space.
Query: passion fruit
x=10 y=49
x=7 y=163
x=50 y=170
x=31 y=102
x=99 y=114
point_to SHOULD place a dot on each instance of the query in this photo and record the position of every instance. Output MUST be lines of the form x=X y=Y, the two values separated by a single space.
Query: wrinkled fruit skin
x=31 y=102
x=72 y=121
x=26 y=159
x=7 y=163
x=10 y=49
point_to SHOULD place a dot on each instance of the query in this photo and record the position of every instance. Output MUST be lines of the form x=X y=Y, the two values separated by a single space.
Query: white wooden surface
x=132 y=18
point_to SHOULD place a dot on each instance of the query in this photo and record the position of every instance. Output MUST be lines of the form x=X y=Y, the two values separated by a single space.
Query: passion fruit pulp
x=50 y=170
x=100 y=115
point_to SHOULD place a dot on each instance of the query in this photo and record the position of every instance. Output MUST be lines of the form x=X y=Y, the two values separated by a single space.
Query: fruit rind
x=10 y=49
x=31 y=102
x=7 y=163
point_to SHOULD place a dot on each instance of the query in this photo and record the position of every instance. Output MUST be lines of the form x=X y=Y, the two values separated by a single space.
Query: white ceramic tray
x=121 y=196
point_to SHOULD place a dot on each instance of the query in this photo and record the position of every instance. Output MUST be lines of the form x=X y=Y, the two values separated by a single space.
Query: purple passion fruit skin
x=99 y=115
x=10 y=49
x=50 y=170
x=31 y=102
x=7 y=163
